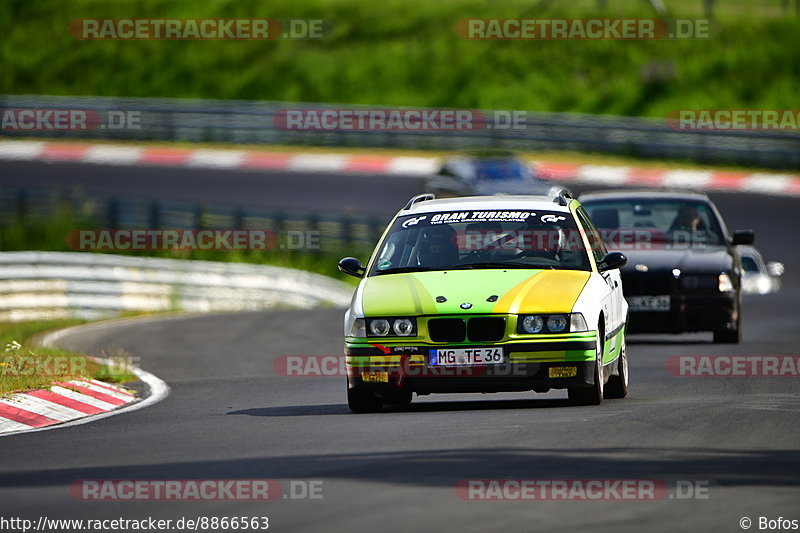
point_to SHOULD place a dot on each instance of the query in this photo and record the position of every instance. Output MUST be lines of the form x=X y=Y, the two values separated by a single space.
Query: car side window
x=595 y=241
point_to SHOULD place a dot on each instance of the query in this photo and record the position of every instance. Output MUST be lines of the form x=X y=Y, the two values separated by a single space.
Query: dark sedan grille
x=487 y=329
x=647 y=283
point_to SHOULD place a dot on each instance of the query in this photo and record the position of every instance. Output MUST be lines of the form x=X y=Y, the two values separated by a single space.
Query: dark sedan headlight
x=725 y=284
x=391 y=327
x=555 y=323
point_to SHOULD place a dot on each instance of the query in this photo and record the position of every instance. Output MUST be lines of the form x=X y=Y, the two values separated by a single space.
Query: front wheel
x=617 y=386
x=361 y=401
x=591 y=395
x=731 y=336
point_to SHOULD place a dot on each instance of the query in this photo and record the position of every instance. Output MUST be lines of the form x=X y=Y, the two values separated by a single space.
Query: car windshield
x=482 y=240
x=501 y=170
x=674 y=221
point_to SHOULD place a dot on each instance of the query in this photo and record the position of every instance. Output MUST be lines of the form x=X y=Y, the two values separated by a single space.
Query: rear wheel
x=591 y=395
x=617 y=386
x=361 y=401
x=400 y=398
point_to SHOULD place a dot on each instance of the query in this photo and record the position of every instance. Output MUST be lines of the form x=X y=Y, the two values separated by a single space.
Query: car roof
x=545 y=203
x=643 y=194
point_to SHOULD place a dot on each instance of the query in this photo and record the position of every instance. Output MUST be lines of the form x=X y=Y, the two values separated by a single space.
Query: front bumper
x=688 y=313
x=527 y=366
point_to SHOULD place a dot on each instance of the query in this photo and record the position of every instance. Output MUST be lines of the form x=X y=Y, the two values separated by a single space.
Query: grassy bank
x=24 y=366
x=399 y=52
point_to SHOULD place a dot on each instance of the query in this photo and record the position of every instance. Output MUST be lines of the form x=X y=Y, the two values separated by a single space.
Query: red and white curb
x=63 y=402
x=108 y=154
x=79 y=401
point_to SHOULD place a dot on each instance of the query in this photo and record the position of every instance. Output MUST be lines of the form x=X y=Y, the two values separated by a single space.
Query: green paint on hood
x=525 y=291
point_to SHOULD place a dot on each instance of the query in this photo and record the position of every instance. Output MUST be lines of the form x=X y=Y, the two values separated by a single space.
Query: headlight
x=403 y=327
x=557 y=323
x=379 y=327
x=725 y=283
x=359 y=328
x=391 y=327
x=560 y=323
x=577 y=323
x=532 y=324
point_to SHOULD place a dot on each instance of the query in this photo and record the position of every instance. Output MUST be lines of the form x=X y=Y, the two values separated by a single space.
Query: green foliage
x=401 y=52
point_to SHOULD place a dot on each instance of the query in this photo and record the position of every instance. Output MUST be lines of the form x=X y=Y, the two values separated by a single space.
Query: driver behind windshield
x=687 y=219
x=437 y=247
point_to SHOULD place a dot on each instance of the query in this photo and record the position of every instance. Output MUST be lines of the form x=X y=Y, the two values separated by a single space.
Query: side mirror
x=352 y=267
x=743 y=236
x=775 y=269
x=611 y=261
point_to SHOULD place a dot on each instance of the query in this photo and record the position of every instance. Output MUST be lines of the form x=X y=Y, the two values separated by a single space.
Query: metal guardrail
x=333 y=231
x=251 y=122
x=48 y=285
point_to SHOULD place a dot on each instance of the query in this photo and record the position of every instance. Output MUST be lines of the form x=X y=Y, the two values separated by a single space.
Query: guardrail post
x=22 y=204
x=238 y=219
x=154 y=216
x=112 y=213
x=199 y=218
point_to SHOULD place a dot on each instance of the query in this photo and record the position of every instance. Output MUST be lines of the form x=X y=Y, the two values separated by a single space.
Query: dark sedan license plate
x=466 y=356
x=648 y=303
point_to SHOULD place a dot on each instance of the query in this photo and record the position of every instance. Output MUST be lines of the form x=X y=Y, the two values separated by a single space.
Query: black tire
x=401 y=398
x=727 y=336
x=617 y=385
x=361 y=401
x=730 y=336
x=591 y=395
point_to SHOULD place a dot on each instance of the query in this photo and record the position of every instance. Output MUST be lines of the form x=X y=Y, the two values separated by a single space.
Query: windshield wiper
x=400 y=270
x=499 y=265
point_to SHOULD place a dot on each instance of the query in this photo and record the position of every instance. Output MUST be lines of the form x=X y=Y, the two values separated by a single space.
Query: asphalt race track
x=228 y=188
x=230 y=416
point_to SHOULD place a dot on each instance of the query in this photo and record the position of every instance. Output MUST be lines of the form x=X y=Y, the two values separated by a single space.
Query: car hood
x=697 y=260
x=516 y=291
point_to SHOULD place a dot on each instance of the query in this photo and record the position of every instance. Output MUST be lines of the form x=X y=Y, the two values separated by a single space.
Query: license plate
x=375 y=377
x=648 y=303
x=466 y=356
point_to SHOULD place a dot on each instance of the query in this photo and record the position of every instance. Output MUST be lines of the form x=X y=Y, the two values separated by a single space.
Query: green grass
x=33 y=367
x=403 y=52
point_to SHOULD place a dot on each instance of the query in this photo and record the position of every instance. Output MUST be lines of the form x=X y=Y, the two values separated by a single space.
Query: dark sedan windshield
x=675 y=221
x=482 y=239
